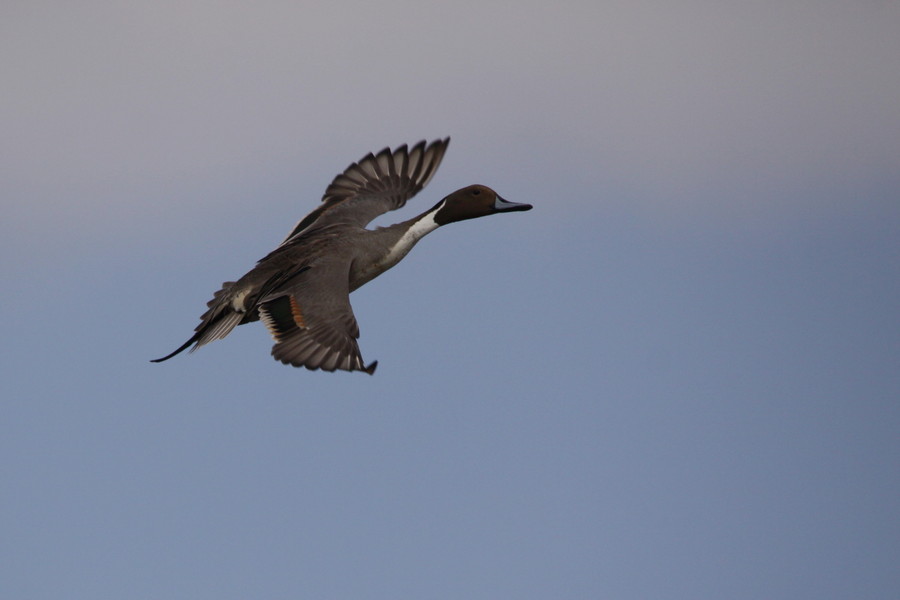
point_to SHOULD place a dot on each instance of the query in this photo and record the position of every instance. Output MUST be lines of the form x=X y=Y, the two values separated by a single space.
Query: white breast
x=364 y=272
x=420 y=228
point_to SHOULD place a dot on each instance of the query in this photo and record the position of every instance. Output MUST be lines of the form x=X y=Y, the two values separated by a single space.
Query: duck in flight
x=301 y=290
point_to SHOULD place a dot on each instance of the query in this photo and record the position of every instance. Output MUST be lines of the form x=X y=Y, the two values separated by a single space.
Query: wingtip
x=442 y=143
x=371 y=368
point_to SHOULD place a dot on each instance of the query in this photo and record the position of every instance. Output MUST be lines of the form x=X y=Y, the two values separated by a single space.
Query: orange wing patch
x=282 y=316
x=297 y=313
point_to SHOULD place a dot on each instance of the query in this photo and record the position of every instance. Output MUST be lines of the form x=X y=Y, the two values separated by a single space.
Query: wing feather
x=325 y=335
x=374 y=185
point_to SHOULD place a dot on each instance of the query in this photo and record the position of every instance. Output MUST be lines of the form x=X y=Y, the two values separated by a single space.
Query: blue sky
x=678 y=376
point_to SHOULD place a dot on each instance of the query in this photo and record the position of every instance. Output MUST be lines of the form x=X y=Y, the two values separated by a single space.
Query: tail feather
x=179 y=350
x=219 y=328
x=216 y=323
x=208 y=332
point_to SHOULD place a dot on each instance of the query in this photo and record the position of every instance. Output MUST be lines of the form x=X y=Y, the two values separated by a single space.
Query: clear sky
x=677 y=377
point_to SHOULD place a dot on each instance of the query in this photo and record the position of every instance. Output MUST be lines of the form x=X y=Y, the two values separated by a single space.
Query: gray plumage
x=301 y=289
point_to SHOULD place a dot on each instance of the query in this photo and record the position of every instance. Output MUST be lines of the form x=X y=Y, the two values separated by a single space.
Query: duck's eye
x=476 y=192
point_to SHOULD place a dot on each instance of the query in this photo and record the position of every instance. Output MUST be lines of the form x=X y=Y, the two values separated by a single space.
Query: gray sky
x=678 y=376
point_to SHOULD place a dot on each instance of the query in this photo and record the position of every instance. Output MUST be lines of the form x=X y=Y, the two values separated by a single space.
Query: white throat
x=419 y=229
x=367 y=271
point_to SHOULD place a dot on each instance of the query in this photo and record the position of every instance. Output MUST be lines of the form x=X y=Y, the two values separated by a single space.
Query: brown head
x=472 y=202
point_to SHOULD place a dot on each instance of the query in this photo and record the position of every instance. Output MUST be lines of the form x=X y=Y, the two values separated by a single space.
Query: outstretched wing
x=378 y=183
x=312 y=321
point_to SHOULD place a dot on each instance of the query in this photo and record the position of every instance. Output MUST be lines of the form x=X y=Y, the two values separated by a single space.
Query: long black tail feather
x=182 y=348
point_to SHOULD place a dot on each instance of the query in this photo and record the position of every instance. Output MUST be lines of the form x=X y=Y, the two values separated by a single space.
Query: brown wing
x=312 y=322
x=375 y=185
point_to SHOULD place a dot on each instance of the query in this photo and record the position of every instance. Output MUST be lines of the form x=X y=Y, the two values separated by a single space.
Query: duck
x=301 y=290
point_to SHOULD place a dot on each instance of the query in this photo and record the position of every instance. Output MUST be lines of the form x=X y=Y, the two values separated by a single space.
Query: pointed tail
x=215 y=324
x=183 y=347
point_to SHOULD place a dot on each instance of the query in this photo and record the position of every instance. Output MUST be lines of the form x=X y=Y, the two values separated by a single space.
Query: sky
x=677 y=377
